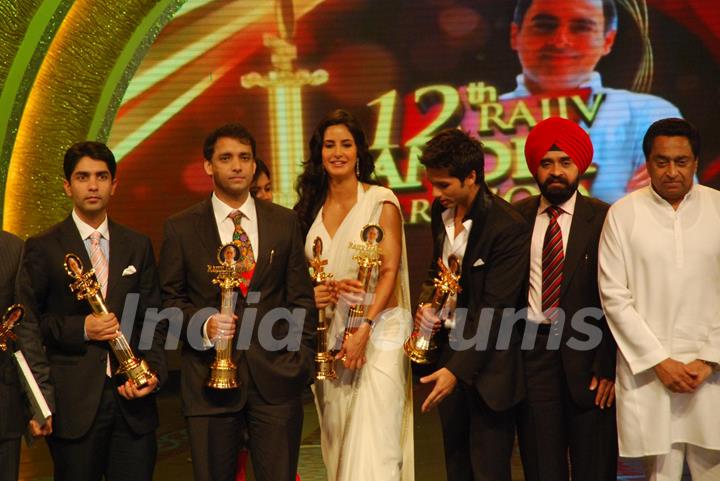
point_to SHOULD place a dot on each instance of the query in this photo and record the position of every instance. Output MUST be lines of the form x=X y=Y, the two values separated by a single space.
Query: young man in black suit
x=272 y=372
x=12 y=421
x=103 y=426
x=479 y=384
x=570 y=369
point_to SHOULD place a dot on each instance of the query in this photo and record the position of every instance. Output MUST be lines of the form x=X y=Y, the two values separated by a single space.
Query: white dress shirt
x=86 y=231
x=542 y=221
x=226 y=226
x=453 y=245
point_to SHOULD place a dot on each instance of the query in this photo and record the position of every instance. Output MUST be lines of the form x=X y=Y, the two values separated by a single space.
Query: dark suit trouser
x=9 y=459
x=110 y=448
x=478 y=441
x=274 y=440
x=552 y=426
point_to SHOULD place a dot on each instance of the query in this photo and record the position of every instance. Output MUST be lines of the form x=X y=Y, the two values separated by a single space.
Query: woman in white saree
x=366 y=413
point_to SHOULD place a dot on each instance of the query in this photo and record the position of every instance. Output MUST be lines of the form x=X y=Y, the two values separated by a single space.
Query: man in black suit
x=104 y=426
x=273 y=353
x=478 y=384
x=570 y=369
x=12 y=405
x=12 y=424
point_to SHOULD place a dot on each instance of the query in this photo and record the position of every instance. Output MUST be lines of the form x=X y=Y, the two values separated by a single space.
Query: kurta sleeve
x=710 y=351
x=638 y=344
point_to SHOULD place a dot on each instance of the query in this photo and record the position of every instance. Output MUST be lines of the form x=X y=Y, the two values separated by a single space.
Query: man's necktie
x=553 y=260
x=100 y=264
x=246 y=263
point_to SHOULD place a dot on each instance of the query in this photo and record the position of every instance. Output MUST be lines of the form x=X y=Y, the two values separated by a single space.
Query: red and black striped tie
x=552 y=265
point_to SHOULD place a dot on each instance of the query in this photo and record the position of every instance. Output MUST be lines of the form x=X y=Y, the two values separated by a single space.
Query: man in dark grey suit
x=568 y=413
x=272 y=373
x=104 y=426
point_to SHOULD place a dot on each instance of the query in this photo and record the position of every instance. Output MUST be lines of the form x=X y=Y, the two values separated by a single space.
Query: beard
x=557 y=195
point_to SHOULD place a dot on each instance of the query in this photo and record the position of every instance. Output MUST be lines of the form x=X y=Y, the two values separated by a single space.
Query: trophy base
x=137 y=371
x=223 y=375
x=420 y=350
x=324 y=367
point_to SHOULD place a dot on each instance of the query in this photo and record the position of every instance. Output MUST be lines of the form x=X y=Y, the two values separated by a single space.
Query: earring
x=357 y=168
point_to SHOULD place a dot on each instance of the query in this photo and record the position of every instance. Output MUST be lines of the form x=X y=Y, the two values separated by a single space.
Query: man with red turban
x=570 y=369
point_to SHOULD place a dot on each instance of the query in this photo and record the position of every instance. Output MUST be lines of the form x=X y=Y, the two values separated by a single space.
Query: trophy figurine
x=421 y=346
x=323 y=358
x=223 y=371
x=85 y=286
x=12 y=316
x=367 y=258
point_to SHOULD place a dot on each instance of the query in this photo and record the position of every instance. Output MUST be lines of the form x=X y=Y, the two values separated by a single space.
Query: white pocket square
x=129 y=270
x=478 y=263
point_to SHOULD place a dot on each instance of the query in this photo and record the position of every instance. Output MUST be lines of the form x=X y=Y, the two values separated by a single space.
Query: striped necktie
x=99 y=262
x=553 y=260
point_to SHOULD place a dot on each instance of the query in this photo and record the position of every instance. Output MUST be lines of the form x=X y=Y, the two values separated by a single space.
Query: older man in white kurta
x=660 y=286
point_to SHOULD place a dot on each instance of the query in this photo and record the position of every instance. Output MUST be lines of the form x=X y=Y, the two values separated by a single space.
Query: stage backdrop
x=152 y=78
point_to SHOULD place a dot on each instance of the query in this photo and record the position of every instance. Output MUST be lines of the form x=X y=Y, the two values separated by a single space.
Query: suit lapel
x=262 y=256
x=207 y=229
x=577 y=240
x=72 y=243
x=438 y=232
x=478 y=213
x=120 y=256
x=529 y=209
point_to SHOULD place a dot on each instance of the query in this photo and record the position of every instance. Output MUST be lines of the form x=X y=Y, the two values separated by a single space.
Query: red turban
x=565 y=135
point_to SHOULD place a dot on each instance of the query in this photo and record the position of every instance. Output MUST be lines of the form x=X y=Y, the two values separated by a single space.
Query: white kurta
x=659 y=277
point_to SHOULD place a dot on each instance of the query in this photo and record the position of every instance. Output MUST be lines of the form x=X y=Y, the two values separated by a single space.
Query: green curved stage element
x=127 y=64
x=78 y=88
x=26 y=29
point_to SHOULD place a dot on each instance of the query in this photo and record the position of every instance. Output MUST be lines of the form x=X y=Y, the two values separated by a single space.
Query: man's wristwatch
x=370 y=322
x=713 y=365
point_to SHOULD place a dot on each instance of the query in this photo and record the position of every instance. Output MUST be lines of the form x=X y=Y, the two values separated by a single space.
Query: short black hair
x=233 y=131
x=672 y=127
x=88 y=148
x=609 y=11
x=456 y=151
x=261 y=168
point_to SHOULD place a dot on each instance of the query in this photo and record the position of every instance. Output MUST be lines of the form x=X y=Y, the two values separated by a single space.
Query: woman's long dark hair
x=312 y=185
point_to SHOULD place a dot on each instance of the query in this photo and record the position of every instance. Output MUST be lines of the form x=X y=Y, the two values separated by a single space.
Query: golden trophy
x=420 y=347
x=85 y=286
x=12 y=316
x=367 y=258
x=324 y=360
x=223 y=371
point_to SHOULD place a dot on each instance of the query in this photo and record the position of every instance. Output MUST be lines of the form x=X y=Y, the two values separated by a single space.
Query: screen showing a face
x=407 y=70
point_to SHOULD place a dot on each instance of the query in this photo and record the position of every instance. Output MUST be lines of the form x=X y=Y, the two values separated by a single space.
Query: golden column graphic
x=285 y=103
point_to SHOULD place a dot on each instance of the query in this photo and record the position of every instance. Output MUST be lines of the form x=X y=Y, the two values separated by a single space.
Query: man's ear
x=66 y=186
x=514 y=30
x=207 y=165
x=609 y=41
x=471 y=178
